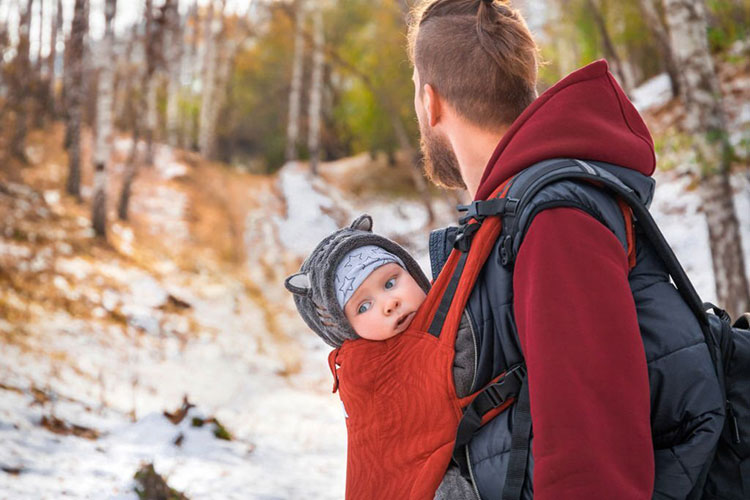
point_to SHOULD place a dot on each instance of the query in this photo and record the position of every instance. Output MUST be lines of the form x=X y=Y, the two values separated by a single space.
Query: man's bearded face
x=440 y=162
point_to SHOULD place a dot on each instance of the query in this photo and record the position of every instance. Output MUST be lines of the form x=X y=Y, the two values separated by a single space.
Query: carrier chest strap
x=496 y=396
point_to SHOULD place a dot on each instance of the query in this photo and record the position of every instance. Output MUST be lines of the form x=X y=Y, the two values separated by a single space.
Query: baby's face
x=385 y=303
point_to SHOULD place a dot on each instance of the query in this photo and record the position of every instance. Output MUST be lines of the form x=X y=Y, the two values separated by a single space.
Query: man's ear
x=432 y=104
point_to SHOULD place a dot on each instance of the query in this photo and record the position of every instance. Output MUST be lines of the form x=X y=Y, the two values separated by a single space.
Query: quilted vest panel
x=686 y=405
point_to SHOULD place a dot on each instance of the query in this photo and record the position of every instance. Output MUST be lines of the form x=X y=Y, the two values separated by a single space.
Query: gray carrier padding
x=687 y=411
x=455 y=486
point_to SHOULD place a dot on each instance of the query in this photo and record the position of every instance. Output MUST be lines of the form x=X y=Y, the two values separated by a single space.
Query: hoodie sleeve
x=588 y=382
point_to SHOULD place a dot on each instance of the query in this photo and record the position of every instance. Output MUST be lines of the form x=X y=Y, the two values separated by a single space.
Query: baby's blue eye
x=364 y=307
x=390 y=283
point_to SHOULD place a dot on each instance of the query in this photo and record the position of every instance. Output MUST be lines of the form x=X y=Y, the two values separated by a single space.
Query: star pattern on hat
x=347 y=286
x=349 y=260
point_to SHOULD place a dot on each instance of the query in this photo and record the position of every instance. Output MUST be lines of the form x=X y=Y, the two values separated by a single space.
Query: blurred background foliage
x=370 y=36
x=366 y=91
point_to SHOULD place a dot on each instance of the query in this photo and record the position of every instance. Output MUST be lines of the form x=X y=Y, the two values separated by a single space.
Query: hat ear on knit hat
x=298 y=284
x=362 y=223
x=313 y=287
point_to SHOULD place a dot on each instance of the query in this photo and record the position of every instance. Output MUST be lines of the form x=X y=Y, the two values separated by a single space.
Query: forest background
x=164 y=164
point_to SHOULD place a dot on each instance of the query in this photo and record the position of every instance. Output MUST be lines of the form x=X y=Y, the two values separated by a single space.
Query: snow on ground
x=290 y=439
x=676 y=209
x=128 y=351
x=307 y=217
x=653 y=93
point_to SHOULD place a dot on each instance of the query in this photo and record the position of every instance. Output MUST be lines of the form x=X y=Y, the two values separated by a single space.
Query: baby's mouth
x=404 y=321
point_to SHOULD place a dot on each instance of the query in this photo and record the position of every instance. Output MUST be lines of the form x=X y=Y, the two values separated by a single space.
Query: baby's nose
x=392 y=305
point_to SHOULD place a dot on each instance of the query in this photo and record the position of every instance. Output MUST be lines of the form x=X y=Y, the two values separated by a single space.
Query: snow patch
x=306 y=222
x=654 y=92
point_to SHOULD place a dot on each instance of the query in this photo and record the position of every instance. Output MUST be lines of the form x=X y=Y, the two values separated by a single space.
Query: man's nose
x=392 y=304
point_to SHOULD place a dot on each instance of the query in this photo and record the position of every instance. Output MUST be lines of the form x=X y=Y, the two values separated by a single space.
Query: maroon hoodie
x=576 y=318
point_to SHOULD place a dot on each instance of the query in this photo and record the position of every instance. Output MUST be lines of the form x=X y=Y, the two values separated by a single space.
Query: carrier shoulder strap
x=567 y=169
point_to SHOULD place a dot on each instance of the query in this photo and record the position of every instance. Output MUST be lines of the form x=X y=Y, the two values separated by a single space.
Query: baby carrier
x=399 y=395
x=405 y=421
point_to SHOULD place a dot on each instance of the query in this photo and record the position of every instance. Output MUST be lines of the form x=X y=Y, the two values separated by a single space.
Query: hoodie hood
x=586 y=115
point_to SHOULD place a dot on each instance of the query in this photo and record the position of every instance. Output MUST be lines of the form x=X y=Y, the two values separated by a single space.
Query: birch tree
x=295 y=93
x=213 y=67
x=56 y=28
x=75 y=96
x=174 y=49
x=103 y=122
x=189 y=63
x=37 y=85
x=142 y=76
x=18 y=75
x=705 y=121
x=154 y=59
x=316 y=92
x=660 y=33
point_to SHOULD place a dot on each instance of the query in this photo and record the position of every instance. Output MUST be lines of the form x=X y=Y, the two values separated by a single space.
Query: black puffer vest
x=687 y=412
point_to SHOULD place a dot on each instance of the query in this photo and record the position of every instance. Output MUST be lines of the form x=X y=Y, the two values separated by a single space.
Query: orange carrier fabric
x=399 y=394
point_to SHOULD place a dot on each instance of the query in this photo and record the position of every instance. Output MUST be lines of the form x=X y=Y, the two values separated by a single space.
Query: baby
x=360 y=292
x=357 y=284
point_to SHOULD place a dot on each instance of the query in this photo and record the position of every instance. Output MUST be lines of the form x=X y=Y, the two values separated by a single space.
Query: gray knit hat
x=356 y=266
x=314 y=289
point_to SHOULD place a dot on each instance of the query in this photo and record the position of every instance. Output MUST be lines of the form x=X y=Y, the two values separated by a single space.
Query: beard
x=440 y=162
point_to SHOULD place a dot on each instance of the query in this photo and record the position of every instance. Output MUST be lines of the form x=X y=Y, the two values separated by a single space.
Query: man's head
x=476 y=58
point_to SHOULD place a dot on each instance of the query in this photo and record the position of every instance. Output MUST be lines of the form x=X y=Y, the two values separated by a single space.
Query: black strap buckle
x=507 y=387
x=495 y=395
x=506 y=250
x=464 y=236
x=479 y=209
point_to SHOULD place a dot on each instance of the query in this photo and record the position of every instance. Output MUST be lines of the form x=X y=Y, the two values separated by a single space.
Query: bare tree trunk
x=295 y=94
x=40 y=81
x=227 y=52
x=131 y=168
x=104 y=123
x=216 y=60
x=154 y=58
x=208 y=75
x=126 y=76
x=152 y=118
x=40 y=33
x=174 y=61
x=132 y=163
x=56 y=28
x=75 y=97
x=190 y=58
x=659 y=31
x=316 y=92
x=19 y=76
x=706 y=122
x=618 y=67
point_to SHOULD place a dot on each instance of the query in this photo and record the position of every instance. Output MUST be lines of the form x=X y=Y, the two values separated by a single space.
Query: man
x=567 y=301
